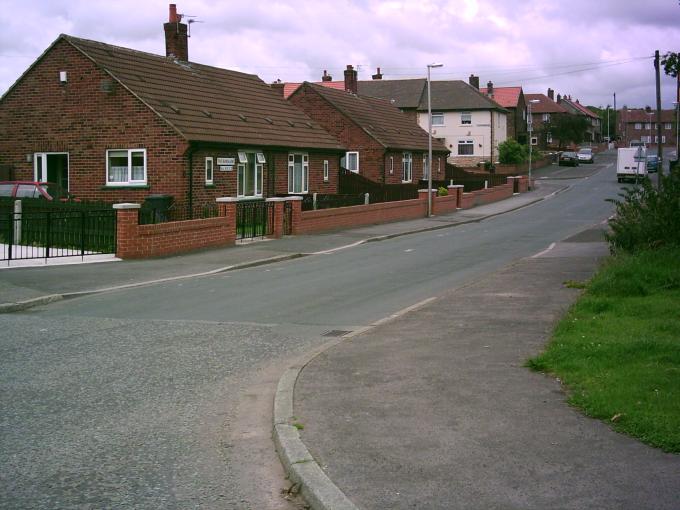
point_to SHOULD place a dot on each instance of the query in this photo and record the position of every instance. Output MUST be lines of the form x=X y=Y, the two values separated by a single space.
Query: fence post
x=17 y=221
x=314 y=201
x=127 y=226
x=277 y=228
x=367 y=199
x=458 y=190
x=296 y=215
x=227 y=207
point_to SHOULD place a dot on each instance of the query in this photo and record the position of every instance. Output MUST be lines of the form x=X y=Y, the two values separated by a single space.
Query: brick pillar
x=227 y=207
x=278 y=216
x=297 y=214
x=127 y=227
x=458 y=189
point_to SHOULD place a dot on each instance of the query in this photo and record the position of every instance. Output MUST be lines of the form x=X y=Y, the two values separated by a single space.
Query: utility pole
x=659 y=145
x=616 y=117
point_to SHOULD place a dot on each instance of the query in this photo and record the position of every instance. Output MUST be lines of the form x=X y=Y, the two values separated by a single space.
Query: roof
x=446 y=94
x=205 y=103
x=544 y=105
x=641 y=115
x=379 y=118
x=580 y=108
x=507 y=97
x=290 y=88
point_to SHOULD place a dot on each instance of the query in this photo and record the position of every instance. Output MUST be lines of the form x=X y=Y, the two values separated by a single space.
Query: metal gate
x=254 y=219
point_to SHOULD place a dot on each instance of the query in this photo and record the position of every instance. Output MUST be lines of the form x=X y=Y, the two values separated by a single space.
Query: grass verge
x=618 y=348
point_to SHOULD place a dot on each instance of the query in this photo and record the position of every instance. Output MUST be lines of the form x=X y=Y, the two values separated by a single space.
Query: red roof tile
x=507 y=97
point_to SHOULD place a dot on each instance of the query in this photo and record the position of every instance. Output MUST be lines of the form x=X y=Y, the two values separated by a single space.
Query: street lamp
x=530 y=129
x=429 y=140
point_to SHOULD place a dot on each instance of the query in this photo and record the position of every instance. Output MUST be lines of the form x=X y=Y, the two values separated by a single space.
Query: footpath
x=25 y=287
x=434 y=409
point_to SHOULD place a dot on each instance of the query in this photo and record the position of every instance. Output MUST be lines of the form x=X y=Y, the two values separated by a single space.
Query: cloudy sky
x=588 y=49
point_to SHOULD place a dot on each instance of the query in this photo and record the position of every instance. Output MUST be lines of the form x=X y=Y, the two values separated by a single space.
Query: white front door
x=51 y=167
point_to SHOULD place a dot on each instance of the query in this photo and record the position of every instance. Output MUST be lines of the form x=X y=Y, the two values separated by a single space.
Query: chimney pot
x=489 y=88
x=551 y=94
x=474 y=81
x=173 y=18
x=378 y=75
x=176 y=36
x=559 y=98
x=326 y=76
x=351 y=79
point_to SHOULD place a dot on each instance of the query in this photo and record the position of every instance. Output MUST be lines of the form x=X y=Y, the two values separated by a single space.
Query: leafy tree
x=671 y=64
x=569 y=128
x=511 y=152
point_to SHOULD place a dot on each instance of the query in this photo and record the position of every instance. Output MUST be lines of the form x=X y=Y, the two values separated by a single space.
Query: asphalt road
x=159 y=397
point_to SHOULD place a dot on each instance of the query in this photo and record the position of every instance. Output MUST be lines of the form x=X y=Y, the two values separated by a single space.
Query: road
x=160 y=396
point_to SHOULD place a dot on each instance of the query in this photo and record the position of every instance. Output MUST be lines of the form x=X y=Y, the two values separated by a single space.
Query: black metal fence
x=330 y=201
x=254 y=219
x=351 y=183
x=471 y=181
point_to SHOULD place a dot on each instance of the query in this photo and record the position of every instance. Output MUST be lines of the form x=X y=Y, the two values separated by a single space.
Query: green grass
x=618 y=348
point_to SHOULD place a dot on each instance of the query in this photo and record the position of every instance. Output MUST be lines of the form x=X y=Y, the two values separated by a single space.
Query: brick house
x=640 y=124
x=384 y=145
x=544 y=111
x=594 y=132
x=512 y=99
x=115 y=124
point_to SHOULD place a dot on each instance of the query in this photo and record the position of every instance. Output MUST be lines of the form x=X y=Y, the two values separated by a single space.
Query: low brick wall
x=522 y=168
x=489 y=195
x=346 y=217
x=443 y=205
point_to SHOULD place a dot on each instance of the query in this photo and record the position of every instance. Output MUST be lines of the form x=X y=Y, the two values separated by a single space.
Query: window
x=668 y=125
x=352 y=161
x=546 y=117
x=465 y=118
x=437 y=119
x=426 y=168
x=208 y=171
x=648 y=125
x=638 y=125
x=298 y=173
x=325 y=170
x=524 y=115
x=126 y=167
x=249 y=174
x=391 y=165
x=466 y=147
x=439 y=165
x=534 y=140
x=407 y=167
x=548 y=137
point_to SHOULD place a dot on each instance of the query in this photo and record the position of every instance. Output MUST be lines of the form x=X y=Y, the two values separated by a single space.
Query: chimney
x=176 y=37
x=278 y=86
x=489 y=89
x=559 y=98
x=551 y=94
x=474 y=81
x=378 y=75
x=351 y=79
x=326 y=76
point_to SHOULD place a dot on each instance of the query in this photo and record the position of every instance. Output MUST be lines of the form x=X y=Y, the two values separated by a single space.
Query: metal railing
x=56 y=233
x=330 y=201
x=254 y=218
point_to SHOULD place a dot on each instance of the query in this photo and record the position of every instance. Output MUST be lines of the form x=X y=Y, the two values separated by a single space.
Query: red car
x=31 y=189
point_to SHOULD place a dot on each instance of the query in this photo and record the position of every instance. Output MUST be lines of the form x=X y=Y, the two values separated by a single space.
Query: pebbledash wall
x=143 y=241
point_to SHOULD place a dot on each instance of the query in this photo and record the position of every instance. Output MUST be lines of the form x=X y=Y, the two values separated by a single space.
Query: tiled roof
x=580 y=108
x=545 y=104
x=507 y=97
x=446 y=94
x=379 y=118
x=209 y=104
x=641 y=115
x=289 y=88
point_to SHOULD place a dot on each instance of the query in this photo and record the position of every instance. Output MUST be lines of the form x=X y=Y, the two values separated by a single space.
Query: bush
x=442 y=191
x=511 y=152
x=647 y=218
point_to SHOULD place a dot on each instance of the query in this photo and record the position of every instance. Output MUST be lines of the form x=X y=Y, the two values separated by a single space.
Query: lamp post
x=429 y=140
x=530 y=129
x=609 y=139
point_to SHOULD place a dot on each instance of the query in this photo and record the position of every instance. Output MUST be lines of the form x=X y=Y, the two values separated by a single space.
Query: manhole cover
x=335 y=332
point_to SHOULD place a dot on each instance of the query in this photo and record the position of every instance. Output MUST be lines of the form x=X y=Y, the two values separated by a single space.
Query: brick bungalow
x=512 y=99
x=384 y=145
x=115 y=124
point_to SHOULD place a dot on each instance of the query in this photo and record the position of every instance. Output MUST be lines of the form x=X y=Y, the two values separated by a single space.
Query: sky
x=584 y=48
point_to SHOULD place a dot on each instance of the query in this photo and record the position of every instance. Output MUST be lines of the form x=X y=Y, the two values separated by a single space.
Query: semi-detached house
x=115 y=124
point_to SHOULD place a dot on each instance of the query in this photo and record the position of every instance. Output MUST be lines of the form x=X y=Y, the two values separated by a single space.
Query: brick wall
x=489 y=195
x=42 y=115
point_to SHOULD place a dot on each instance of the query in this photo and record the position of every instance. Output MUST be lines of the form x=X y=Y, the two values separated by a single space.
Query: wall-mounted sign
x=226 y=161
x=225 y=168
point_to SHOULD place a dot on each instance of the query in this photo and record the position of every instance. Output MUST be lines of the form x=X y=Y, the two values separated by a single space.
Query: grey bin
x=159 y=204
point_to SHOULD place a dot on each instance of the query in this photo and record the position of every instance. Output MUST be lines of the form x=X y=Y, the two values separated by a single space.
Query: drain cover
x=335 y=332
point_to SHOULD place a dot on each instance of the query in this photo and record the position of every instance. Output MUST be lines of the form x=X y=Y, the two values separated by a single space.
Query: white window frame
x=242 y=157
x=129 y=181
x=209 y=170
x=439 y=165
x=391 y=165
x=546 y=117
x=648 y=125
x=548 y=138
x=425 y=168
x=347 y=158
x=638 y=125
x=534 y=140
x=440 y=118
x=241 y=171
x=325 y=170
x=291 y=173
x=407 y=167
x=466 y=118
x=668 y=125
x=259 y=158
x=465 y=142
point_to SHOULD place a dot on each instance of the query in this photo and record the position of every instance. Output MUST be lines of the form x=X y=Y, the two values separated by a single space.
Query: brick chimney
x=489 y=89
x=176 y=37
x=551 y=94
x=351 y=79
x=378 y=75
x=326 y=76
x=278 y=86
x=559 y=98
x=474 y=81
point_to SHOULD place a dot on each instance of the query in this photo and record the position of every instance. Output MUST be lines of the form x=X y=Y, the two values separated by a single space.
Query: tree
x=671 y=64
x=569 y=128
x=511 y=152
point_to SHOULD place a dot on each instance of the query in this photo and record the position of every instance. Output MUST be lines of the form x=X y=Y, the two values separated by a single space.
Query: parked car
x=585 y=155
x=652 y=163
x=32 y=189
x=568 y=159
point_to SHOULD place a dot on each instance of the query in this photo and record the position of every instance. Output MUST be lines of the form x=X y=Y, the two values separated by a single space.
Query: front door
x=51 y=167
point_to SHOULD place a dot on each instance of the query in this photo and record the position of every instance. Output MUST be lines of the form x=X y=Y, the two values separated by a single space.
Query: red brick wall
x=489 y=195
x=42 y=115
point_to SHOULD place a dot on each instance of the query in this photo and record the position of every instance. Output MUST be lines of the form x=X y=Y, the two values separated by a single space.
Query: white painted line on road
x=408 y=250
x=333 y=250
x=552 y=245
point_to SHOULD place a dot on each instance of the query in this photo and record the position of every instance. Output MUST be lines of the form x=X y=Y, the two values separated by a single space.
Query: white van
x=631 y=163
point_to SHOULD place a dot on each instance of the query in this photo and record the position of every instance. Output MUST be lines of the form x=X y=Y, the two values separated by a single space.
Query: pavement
x=433 y=407
x=25 y=287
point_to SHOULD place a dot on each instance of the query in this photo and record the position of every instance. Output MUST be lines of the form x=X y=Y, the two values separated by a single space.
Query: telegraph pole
x=659 y=145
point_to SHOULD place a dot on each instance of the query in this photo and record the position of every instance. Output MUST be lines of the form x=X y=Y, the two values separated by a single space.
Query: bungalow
x=384 y=145
x=115 y=124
